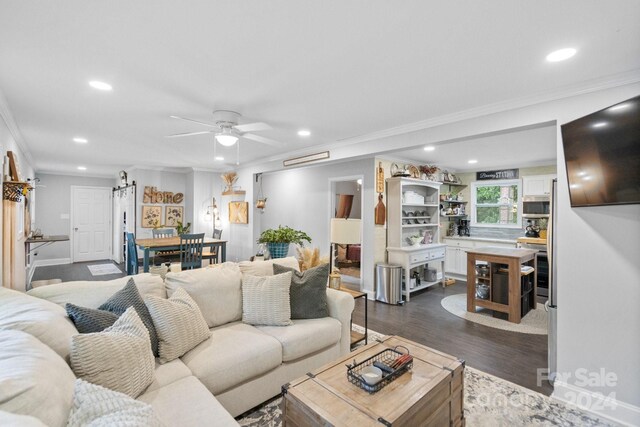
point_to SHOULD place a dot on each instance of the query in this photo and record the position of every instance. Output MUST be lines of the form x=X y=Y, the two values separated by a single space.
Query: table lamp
x=343 y=232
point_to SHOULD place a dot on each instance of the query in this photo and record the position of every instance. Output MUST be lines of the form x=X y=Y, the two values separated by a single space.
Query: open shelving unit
x=453 y=203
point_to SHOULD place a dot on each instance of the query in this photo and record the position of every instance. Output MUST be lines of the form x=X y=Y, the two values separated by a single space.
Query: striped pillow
x=118 y=358
x=266 y=300
x=179 y=324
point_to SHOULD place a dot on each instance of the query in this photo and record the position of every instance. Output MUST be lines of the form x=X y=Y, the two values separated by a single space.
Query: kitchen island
x=501 y=261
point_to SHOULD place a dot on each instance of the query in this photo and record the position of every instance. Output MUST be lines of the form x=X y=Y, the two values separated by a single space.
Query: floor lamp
x=343 y=232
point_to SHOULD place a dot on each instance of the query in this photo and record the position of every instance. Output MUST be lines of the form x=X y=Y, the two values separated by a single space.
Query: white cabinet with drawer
x=416 y=256
x=456 y=261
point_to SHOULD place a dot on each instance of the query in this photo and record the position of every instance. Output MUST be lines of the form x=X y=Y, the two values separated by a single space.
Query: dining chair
x=132 y=255
x=191 y=250
x=212 y=253
x=160 y=257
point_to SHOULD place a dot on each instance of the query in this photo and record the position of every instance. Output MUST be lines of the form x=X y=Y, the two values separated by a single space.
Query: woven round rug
x=535 y=322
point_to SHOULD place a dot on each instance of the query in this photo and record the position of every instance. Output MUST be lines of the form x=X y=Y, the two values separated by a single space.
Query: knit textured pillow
x=179 y=324
x=266 y=301
x=118 y=358
x=308 y=291
x=89 y=320
x=97 y=406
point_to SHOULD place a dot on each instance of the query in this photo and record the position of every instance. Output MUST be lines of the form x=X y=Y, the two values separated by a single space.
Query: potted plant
x=278 y=240
x=182 y=229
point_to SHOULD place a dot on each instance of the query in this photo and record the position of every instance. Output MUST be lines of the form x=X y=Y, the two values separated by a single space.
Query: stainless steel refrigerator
x=552 y=303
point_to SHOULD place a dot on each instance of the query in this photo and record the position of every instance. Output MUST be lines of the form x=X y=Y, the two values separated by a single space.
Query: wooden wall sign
x=380 y=179
x=239 y=212
x=152 y=195
x=500 y=174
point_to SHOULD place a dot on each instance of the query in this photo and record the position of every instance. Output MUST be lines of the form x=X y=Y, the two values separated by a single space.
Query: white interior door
x=91 y=223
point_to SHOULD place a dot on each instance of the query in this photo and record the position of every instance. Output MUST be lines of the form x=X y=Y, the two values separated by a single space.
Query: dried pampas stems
x=309 y=258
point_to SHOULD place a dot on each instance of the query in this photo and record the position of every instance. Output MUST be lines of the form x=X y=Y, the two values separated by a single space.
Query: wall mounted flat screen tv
x=602 y=155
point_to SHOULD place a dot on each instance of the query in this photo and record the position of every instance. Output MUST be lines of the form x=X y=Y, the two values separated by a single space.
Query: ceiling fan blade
x=177 y=135
x=194 y=121
x=263 y=140
x=252 y=127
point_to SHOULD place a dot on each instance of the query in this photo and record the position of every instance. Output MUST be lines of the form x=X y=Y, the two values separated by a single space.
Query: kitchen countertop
x=482 y=239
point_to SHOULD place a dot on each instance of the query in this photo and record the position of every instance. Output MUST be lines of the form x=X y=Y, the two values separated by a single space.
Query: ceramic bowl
x=371 y=375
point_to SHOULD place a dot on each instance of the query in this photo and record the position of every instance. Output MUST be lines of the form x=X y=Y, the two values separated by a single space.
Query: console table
x=513 y=259
x=414 y=256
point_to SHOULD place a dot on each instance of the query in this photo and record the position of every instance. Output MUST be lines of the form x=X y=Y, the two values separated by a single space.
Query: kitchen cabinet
x=537 y=185
x=456 y=259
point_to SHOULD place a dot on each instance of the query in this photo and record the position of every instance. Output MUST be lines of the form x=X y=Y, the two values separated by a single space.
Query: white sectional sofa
x=237 y=368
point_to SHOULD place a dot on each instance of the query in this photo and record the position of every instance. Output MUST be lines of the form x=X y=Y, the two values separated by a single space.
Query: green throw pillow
x=96 y=320
x=308 y=291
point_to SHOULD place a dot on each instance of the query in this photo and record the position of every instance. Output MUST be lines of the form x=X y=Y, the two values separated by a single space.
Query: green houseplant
x=278 y=240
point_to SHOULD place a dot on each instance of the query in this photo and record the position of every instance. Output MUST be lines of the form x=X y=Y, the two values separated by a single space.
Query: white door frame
x=71 y=219
x=332 y=208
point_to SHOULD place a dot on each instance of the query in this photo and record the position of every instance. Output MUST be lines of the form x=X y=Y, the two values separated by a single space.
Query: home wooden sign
x=152 y=195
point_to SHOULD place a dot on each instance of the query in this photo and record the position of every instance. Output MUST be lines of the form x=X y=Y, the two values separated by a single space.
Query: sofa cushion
x=118 y=358
x=92 y=294
x=305 y=336
x=97 y=406
x=217 y=291
x=43 y=319
x=266 y=300
x=8 y=419
x=34 y=380
x=235 y=353
x=187 y=403
x=167 y=373
x=265 y=268
x=308 y=291
x=179 y=324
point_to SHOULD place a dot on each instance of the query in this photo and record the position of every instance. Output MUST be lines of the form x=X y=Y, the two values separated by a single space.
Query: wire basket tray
x=386 y=357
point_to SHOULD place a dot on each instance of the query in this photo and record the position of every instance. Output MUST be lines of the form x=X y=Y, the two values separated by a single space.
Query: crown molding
x=14 y=130
x=81 y=174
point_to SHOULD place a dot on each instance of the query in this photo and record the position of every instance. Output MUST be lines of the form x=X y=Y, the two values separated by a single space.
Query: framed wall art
x=173 y=215
x=151 y=216
x=239 y=212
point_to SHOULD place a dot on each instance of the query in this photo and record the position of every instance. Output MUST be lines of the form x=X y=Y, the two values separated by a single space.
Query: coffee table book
x=430 y=394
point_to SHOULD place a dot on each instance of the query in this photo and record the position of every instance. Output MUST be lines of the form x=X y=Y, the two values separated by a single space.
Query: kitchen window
x=496 y=203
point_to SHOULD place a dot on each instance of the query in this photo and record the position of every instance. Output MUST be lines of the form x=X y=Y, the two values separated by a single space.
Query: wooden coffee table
x=431 y=394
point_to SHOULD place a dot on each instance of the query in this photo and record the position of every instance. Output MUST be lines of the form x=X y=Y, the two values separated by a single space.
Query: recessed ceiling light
x=97 y=84
x=80 y=140
x=599 y=124
x=219 y=158
x=429 y=148
x=561 y=54
x=82 y=168
x=304 y=132
x=472 y=161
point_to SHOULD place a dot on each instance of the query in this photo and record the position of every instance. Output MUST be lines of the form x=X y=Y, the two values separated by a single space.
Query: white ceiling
x=341 y=69
x=511 y=149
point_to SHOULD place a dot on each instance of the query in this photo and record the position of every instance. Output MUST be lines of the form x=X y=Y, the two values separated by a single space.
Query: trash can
x=389 y=284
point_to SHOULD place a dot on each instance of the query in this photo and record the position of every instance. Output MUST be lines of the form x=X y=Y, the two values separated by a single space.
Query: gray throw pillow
x=89 y=320
x=308 y=291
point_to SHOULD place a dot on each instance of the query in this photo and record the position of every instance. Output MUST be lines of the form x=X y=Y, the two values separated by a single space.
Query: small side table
x=356 y=337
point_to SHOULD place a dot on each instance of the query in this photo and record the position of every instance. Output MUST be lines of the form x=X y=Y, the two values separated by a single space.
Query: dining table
x=173 y=244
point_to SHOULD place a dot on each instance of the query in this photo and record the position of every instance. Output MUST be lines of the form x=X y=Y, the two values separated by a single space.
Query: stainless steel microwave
x=535 y=206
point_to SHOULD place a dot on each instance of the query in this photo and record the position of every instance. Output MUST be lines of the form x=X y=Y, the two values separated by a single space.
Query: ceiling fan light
x=227 y=140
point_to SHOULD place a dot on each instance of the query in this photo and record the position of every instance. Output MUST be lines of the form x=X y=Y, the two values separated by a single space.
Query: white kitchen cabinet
x=456 y=260
x=537 y=185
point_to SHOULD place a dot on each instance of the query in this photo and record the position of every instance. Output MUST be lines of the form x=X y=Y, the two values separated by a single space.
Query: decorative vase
x=278 y=250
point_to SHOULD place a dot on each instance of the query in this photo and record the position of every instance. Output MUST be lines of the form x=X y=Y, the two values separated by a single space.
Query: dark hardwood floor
x=76 y=271
x=509 y=355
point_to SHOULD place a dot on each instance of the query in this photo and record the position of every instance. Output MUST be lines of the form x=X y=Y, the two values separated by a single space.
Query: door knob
x=75 y=229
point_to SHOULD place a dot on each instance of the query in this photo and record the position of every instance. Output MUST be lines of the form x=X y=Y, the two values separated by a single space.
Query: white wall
x=207 y=185
x=53 y=202
x=302 y=199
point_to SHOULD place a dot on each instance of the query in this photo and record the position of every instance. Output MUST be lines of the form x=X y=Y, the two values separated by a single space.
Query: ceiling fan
x=227 y=131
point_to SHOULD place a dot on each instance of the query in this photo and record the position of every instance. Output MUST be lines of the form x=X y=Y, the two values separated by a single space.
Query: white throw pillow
x=34 y=380
x=266 y=301
x=179 y=324
x=217 y=291
x=118 y=358
x=43 y=319
x=97 y=406
x=265 y=268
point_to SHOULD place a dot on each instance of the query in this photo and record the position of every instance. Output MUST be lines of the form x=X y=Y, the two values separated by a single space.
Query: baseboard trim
x=604 y=407
x=48 y=262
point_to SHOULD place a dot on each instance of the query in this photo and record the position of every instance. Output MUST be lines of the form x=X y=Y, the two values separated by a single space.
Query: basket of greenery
x=278 y=240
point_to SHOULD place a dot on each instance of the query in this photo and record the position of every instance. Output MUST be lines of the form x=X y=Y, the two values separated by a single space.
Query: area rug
x=103 y=269
x=535 y=322
x=488 y=402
